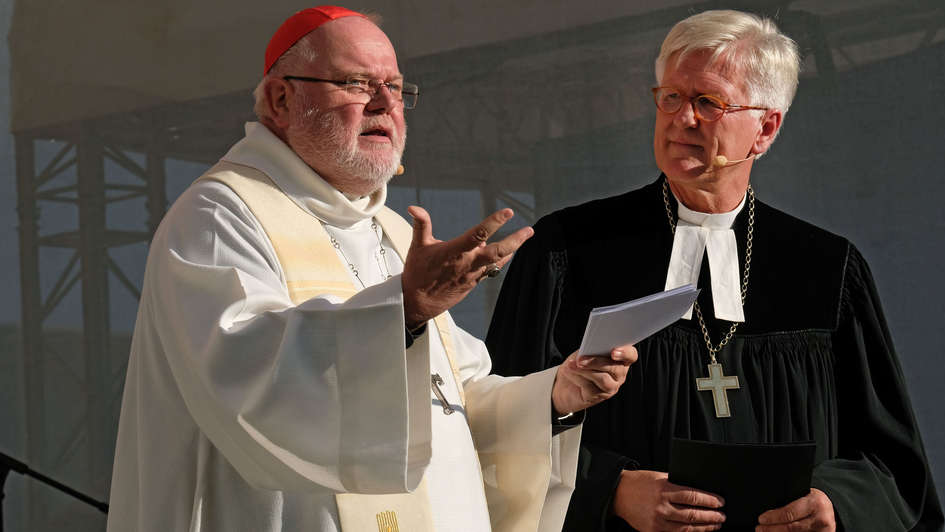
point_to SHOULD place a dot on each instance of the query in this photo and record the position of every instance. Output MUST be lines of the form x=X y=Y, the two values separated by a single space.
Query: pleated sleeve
x=880 y=479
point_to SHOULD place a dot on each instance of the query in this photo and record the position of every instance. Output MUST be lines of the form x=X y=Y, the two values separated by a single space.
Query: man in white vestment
x=293 y=365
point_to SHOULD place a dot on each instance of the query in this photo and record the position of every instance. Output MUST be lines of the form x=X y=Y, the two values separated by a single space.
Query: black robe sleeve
x=521 y=341
x=880 y=479
x=521 y=335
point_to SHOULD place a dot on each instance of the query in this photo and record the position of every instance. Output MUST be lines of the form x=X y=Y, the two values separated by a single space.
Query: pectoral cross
x=437 y=381
x=718 y=383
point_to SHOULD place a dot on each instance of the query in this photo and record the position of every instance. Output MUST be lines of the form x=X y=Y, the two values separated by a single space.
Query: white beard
x=322 y=137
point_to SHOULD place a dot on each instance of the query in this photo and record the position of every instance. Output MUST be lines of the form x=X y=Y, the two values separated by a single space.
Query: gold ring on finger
x=491 y=271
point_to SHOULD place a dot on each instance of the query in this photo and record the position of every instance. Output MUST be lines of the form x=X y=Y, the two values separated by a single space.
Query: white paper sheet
x=630 y=322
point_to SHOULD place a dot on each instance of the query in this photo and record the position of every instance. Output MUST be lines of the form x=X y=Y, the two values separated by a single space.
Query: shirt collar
x=710 y=220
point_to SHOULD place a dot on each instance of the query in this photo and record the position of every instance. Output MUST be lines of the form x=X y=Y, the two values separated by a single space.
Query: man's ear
x=770 y=125
x=278 y=95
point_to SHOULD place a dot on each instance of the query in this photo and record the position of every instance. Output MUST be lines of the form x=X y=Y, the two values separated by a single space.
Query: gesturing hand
x=649 y=502
x=582 y=382
x=438 y=274
x=813 y=511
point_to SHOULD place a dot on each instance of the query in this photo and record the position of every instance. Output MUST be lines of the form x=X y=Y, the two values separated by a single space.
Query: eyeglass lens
x=706 y=107
x=405 y=92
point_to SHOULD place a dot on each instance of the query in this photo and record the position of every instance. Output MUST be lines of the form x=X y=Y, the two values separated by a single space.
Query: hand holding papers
x=630 y=322
x=582 y=382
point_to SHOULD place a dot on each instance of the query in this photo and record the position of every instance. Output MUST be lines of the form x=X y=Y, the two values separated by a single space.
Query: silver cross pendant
x=717 y=383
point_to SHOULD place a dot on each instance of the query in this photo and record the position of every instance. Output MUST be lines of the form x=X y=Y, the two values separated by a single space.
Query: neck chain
x=382 y=264
x=751 y=228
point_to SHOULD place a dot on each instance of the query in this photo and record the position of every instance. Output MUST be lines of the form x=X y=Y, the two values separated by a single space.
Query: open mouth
x=376 y=132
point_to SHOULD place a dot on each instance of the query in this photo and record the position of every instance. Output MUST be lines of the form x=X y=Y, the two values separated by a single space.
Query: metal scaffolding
x=76 y=176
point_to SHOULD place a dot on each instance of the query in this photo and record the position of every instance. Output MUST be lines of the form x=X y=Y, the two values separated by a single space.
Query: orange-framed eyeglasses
x=706 y=107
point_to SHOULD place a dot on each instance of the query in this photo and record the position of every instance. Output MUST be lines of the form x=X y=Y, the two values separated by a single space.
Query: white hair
x=300 y=53
x=767 y=59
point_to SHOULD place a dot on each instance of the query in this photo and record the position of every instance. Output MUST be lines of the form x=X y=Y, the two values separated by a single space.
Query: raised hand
x=582 y=382
x=813 y=511
x=439 y=274
x=648 y=501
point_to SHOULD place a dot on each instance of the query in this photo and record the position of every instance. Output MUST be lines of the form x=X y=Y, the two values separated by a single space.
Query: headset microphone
x=399 y=170
x=722 y=161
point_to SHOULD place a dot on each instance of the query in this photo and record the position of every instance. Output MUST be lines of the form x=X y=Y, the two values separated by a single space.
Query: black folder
x=752 y=477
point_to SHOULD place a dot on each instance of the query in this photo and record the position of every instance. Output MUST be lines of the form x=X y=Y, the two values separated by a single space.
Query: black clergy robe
x=814 y=357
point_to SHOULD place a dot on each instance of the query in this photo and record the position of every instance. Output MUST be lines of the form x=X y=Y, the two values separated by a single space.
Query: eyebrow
x=697 y=92
x=398 y=77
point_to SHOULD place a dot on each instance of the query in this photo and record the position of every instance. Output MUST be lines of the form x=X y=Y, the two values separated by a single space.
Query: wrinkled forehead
x=356 y=46
x=722 y=61
x=722 y=64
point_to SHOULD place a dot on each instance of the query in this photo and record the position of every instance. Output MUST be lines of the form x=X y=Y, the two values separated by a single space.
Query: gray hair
x=767 y=59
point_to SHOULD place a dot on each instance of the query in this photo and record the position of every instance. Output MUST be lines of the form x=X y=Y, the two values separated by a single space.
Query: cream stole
x=312 y=267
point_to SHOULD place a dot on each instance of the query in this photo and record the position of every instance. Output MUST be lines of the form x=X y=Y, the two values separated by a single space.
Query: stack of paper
x=630 y=322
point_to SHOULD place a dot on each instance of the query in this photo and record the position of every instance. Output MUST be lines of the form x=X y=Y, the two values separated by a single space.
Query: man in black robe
x=788 y=308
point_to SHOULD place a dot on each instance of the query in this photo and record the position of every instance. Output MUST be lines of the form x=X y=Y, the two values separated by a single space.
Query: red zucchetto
x=298 y=26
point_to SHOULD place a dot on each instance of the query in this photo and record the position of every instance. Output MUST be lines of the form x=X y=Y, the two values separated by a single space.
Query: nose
x=382 y=100
x=686 y=115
